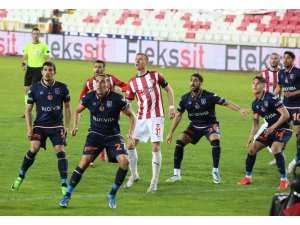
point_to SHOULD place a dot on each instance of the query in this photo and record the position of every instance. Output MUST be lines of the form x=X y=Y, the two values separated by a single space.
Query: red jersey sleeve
x=129 y=92
x=83 y=91
x=119 y=83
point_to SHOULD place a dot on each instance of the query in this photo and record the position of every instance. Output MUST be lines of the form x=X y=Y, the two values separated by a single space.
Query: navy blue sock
x=280 y=164
x=216 y=152
x=62 y=167
x=75 y=178
x=178 y=154
x=120 y=177
x=250 y=161
x=27 y=163
x=298 y=146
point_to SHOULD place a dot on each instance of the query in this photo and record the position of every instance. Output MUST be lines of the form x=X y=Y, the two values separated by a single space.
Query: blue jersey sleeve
x=276 y=102
x=124 y=104
x=85 y=101
x=254 y=110
x=181 y=107
x=217 y=100
x=66 y=95
x=31 y=96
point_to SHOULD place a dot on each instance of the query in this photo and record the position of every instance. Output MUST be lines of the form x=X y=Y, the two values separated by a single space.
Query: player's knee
x=215 y=143
x=61 y=155
x=252 y=151
x=123 y=162
x=180 y=144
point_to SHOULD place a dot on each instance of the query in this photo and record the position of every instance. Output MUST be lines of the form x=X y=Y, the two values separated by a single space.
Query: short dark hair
x=51 y=64
x=291 y=54
x=143 y=54
x=100 y=61
x=35 y=29
x=260 y=79
x=198 y=76
x=107 y=79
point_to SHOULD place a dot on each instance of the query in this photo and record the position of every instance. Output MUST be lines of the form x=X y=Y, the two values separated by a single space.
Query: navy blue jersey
x=201 y=109
x=267 y=107
x=105 y=112
x=290 y=81
x=49 y=103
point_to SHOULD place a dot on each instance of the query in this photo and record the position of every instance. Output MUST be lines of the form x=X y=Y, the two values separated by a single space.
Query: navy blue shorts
x=56 y=136
x=95 y=143
x=196 y=133
x=295 y=115
x=282 y=136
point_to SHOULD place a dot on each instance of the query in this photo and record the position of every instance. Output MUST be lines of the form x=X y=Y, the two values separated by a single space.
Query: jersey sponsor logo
x=199 y=114
x=203 y=101
x=270 y=116
x=109 y=103
x=101 y=108
x=289 y=88
x=266 y=103
x=51 y=108
x=50 y=97
x=103 y=120
x=145 y=91
x=57 y=91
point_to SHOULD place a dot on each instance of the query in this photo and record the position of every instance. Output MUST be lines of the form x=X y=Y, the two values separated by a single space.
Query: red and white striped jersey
x=271 y=78
x=146 y=89
x=90 y=85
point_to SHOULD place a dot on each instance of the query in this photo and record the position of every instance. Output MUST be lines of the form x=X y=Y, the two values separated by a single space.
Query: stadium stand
x=246 y=27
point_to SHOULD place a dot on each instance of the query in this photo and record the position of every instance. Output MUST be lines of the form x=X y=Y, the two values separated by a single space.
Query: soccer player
x=90 y=85
x=49 y=96
x=145 y=86
x=289 y=80
x=35 y=53
x=105 y=107
x=271 y=76
x=200 y=105
x=276 y=135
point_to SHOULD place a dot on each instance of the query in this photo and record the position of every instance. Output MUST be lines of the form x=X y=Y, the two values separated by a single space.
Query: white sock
x=156 y=165
x=215 y=169
x=133 y=158
x=177 y=172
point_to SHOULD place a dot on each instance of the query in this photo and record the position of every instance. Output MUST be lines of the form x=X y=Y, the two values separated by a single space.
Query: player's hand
x=74 y=131
x=29 y=134
x=268 y=131
x=64 y=132
x=130 y=140
x=172 y=113
x=250 y=141
x=169 y=138
x=245 y=111
x=23 y=66
x=289 y=94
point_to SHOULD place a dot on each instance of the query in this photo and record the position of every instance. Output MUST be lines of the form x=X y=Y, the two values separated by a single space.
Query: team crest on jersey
x=203 y=101
x=50 y=97
x=197 y=106
x=57 y=91
x=292 y=76
x=266 y=103
x=152 y=81
x=109 y=103
x=101 y=108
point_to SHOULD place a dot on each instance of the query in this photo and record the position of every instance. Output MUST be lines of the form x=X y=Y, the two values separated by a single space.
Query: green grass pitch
x=196 y=195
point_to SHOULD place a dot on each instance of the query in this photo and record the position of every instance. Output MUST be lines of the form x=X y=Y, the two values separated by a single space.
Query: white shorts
x=152 y=127
x=261 y=129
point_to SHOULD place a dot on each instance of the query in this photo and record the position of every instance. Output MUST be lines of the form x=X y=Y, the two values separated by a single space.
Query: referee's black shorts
x=32 y=75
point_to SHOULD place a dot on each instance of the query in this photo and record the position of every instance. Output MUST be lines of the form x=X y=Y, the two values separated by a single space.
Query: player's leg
x=27 y=163
x=181 y=142
x=102 y=155
x=58 y=140
x=297 y=156
x=117 y=152
x=250 y=161
x=141 y=133
x=276 y=148
x=91 y=150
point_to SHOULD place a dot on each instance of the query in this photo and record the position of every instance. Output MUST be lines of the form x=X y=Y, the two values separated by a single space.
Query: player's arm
x=291 y=93
x=68 y=115
x=132 y=122
x=83 y=91
x=278 y=90
x=170 y=94
x=28 y=117
x=23 y=61
x=254 y=129
x=77 y=112
x=235 y=107
x=175 y=123
x=284 y=116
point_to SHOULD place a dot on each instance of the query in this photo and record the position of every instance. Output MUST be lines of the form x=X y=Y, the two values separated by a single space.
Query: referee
x=35 y=54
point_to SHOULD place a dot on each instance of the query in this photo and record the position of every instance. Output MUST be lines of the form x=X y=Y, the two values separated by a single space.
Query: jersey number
x=118 y=147
x=296 y=116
